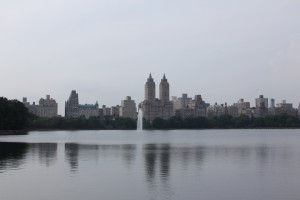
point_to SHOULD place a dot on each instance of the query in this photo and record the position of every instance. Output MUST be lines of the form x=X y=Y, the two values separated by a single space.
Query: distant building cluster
x=161 y=107
x=46 y=108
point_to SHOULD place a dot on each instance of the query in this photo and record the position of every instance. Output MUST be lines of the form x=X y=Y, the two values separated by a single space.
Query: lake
x=151 y=165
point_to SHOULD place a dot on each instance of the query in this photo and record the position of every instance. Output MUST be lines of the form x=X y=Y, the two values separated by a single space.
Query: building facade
x=282 y=108
x=88 y=110
x=215 y=110
x=128 y=108
x=157 y=108
x=194 y=108
x=74 y=109
x=262 y=105
x=261 y=102
x=243 y=108
x=47 y=107
x=32 y=108
x=115 y=111
x=72 y=105
x=181 y=102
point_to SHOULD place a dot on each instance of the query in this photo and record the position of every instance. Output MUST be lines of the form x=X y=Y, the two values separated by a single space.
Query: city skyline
x=104 y=50
x=163 y=94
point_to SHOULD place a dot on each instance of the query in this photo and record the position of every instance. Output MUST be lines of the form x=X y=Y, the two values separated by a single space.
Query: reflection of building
x=47 y=152
x=46 y=108
x=154 y=108
x=74 y=109
x=128 y=108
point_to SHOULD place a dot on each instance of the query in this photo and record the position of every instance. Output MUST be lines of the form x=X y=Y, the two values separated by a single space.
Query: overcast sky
x=105 y=49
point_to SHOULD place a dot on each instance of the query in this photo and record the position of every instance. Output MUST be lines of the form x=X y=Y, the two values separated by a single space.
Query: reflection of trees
x=76 y=152
x=47 y=152
x=12 y=155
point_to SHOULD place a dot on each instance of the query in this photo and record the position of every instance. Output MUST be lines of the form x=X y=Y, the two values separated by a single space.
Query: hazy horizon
x=105 y=50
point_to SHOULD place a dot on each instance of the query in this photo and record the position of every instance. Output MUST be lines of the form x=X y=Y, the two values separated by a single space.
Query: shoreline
x=25 y=132
x=14 y=132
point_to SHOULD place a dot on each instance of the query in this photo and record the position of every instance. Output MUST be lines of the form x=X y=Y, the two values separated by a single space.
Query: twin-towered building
x=152 y=107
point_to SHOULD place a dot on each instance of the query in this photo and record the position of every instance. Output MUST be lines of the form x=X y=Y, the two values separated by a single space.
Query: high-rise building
x=272 y=103
x=261 y=106
x=72 y=105
x=106 y=110
x=261 y=102
x=215 y=110
x=32 y=108
x=128 y=108
x=150 y=89
x=164 y=90
x=191 y=108
x=181 y=102
x=243 y=108
x=115 y=111
x=47 y=107
x=74 y=109
x=283 y=107
x=157 y=108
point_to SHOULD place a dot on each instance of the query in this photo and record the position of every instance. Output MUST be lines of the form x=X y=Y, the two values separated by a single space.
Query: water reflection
x=12 y=155
x=86 y=152
x=161 y=159
x=128 y=154
x=47 y=152
x=71 y=153
x=162 y=156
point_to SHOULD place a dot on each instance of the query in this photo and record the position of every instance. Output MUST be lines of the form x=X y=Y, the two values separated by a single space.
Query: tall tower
x=150 y=89
x=72 y=105
x=164 y=90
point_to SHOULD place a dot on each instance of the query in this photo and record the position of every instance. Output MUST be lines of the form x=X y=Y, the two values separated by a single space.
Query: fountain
x=140 y=120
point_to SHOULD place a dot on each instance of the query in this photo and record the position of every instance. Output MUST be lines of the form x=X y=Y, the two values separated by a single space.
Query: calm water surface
x=137 y=165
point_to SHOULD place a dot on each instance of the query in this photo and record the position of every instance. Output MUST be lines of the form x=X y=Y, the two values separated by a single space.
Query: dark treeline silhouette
x=224 y=121
x=81 y=123
x=13 y=115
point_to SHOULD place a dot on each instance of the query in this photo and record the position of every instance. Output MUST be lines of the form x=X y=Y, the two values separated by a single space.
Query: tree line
x=81 y=123
x=15 y=116
x=224 y=122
